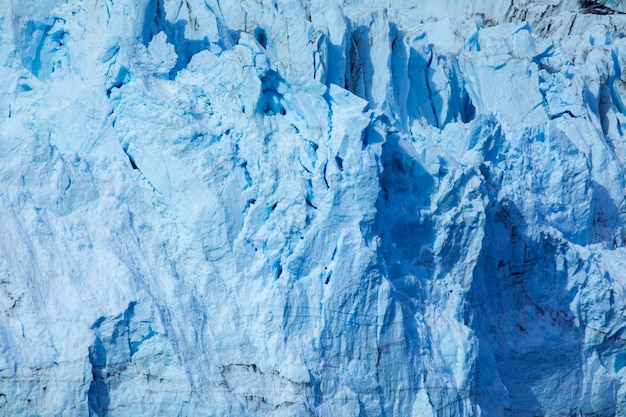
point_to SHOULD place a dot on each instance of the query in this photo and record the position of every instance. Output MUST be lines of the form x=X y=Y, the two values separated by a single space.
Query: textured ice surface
x=290 y=208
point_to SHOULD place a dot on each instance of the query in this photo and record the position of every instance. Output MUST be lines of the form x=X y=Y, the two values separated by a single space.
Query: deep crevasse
x=312 y=208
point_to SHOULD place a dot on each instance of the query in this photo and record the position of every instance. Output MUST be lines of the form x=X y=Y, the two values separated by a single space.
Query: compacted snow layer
x=290 y=208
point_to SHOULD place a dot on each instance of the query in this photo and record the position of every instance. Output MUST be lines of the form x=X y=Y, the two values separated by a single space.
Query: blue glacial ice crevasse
x=312 y=208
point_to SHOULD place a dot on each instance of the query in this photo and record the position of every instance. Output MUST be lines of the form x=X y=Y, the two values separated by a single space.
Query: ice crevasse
x=325 y=208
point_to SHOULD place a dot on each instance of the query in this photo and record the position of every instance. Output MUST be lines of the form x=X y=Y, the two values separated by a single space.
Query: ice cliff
x=325 y=208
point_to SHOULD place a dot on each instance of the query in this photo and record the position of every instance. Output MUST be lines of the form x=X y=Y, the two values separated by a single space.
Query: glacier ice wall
x=296 y=208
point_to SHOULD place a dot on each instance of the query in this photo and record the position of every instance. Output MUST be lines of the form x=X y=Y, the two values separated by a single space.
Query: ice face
x=312 y=208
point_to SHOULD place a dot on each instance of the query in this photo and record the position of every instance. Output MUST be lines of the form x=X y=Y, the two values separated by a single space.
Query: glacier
x=306 y=207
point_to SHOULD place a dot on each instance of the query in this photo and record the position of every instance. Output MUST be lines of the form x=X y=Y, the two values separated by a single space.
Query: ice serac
x=325 y=208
